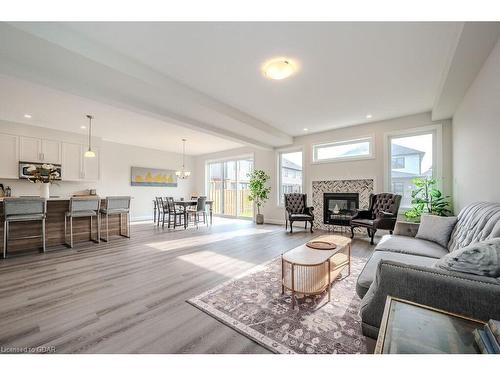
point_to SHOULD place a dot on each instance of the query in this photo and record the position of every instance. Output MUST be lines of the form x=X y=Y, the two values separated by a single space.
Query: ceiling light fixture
x=27 y=115
x=89 y=153
x=182 y=173
x=279 y=68
x=83 y=127
x=306 y=129
x=369 y=116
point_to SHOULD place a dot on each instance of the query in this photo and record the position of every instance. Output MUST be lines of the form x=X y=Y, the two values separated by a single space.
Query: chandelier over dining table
x=183 y=173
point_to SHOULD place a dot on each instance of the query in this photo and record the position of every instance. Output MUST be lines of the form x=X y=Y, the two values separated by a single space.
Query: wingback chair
x=297 y=210
x=381 y=214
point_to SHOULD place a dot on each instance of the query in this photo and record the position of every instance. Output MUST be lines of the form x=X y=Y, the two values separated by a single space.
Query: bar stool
x=82 y=207
x=117 y=206
x=23 y=209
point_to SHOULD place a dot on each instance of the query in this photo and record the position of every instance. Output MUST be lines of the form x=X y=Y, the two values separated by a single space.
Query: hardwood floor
x=128 y=296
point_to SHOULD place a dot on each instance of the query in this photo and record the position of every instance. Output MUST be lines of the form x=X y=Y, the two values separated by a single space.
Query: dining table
x=192 y=202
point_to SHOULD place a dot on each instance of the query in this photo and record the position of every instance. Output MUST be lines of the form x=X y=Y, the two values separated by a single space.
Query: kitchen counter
x=56 y=209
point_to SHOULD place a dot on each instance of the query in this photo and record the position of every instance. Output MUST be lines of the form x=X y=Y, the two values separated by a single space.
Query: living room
x=176 y=186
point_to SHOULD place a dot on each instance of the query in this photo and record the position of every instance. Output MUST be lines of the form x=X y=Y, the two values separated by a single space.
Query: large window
x=290 y=166
x=410 y=155
x=227 y=186
x=345 y=150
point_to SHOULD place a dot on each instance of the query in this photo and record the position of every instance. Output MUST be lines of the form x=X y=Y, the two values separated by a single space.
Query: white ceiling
x=61 y=111
x=346 y=69
x=206 y=77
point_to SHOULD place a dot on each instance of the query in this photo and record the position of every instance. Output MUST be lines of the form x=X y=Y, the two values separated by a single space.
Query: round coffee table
x=309 y=272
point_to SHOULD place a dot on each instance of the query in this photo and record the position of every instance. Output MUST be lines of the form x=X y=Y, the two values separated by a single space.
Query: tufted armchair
x=297 y=210
x=381 y=214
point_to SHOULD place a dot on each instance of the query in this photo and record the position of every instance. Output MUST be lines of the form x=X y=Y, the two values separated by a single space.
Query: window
x=290 y=177
x=344 y=150
x=398 y=162
x=227 y=187
x=411 y=155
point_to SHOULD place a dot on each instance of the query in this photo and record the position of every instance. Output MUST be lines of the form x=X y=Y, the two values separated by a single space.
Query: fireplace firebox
x=338 y=208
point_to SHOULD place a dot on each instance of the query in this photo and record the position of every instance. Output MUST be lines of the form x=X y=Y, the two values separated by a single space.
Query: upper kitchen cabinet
x=9 y=156
x=40 y=150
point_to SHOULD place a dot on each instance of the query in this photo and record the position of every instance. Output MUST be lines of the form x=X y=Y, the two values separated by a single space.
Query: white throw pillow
x=436 y=228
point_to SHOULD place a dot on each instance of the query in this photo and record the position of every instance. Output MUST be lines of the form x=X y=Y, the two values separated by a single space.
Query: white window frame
x=437 y=152
x=278 y=170
x=371 y=154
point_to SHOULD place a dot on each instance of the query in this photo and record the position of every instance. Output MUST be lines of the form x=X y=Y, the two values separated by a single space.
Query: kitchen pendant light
x=89 y=153
x=182 y=173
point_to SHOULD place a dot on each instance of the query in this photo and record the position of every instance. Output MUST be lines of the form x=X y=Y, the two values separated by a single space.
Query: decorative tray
x=321 y=245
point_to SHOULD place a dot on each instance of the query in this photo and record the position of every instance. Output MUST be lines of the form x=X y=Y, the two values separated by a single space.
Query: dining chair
x=82 y=207
x=119 y=205
x=23 y=209
x=175 y=212
x=201 y=209
x=162 y=210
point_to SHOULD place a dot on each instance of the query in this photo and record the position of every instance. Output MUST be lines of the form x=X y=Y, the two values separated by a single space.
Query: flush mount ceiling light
x=369 y=116
x=306 y=129
x=279 y=68
x=89 y=153
x=27 y=115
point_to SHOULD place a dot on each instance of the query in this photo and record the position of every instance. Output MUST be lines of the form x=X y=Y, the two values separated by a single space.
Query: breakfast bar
x=54 y=228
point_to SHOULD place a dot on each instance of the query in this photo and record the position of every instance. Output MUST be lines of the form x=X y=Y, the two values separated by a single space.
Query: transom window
x=353 y=149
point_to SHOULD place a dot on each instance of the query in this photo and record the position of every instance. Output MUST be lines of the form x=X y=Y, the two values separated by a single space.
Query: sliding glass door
x=227 y=186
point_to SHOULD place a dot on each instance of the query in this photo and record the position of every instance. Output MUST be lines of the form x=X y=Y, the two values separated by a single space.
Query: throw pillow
x=436 y=228
x=480 y=258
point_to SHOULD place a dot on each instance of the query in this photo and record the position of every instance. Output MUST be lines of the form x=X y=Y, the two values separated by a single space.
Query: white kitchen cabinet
x=40 y=150
x=72 y=169
x=30 y=149
x=51 y=151
x=76 y=167
x=9 y=156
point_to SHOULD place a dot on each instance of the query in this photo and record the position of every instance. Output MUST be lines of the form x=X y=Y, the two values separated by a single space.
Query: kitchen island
x=56 y=209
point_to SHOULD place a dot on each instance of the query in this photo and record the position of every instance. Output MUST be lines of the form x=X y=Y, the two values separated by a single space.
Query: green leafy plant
x=426 y=198
x=259 y=192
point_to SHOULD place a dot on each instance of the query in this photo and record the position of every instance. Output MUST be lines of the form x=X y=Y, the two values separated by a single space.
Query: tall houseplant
x=426 y=198
x=259 y=192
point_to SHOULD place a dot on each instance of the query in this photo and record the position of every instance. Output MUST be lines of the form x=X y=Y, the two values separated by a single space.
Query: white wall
x=476 y=136
x=371 y=168
x=115 y=162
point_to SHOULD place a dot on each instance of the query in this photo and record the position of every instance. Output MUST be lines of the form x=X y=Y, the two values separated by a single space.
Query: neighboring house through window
x=290 y=177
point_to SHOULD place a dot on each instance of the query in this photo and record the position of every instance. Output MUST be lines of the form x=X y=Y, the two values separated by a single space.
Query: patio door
x=227 y=186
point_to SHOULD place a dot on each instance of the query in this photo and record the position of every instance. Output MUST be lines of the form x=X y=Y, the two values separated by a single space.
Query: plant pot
x=259 y=219
x=45 y=190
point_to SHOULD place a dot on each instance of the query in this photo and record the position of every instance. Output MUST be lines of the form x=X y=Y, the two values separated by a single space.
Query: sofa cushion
x=367 y=276
x=410 y=245
x=480 y=258
x=436 y=229
x=476 y=222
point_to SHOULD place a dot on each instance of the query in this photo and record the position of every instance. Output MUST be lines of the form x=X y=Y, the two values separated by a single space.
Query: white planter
x=45 y=190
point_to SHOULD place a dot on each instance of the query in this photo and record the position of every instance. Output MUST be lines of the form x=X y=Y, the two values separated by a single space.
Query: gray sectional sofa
x=402 y=266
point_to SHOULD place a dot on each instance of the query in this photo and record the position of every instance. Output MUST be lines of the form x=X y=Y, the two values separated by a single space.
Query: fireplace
x=338 y=208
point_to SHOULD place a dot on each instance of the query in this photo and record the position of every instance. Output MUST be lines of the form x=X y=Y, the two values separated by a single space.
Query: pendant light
x=89 y=153
x=182 y=173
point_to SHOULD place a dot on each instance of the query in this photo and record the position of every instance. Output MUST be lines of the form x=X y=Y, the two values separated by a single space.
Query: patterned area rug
x=253 y=305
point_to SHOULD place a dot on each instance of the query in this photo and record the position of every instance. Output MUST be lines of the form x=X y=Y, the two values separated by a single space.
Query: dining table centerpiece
x=44 y=175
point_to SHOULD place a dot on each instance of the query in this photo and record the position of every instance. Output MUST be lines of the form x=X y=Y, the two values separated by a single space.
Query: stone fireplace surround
x=364 y=187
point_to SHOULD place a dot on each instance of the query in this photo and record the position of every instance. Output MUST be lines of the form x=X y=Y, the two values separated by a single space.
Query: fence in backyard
x=236 y=202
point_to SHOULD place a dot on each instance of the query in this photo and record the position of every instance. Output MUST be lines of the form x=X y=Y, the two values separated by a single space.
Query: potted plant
x=426 y=198
x=259 y=192
x=44 y=174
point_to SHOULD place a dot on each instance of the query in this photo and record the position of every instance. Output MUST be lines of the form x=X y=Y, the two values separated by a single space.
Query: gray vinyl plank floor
x=129 y=295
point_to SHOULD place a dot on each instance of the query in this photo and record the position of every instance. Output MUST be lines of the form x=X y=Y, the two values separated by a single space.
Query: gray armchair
x=381 y=214
x=297 y=210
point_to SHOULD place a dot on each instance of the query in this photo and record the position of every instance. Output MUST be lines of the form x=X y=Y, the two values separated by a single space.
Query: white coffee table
x=308 y=271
